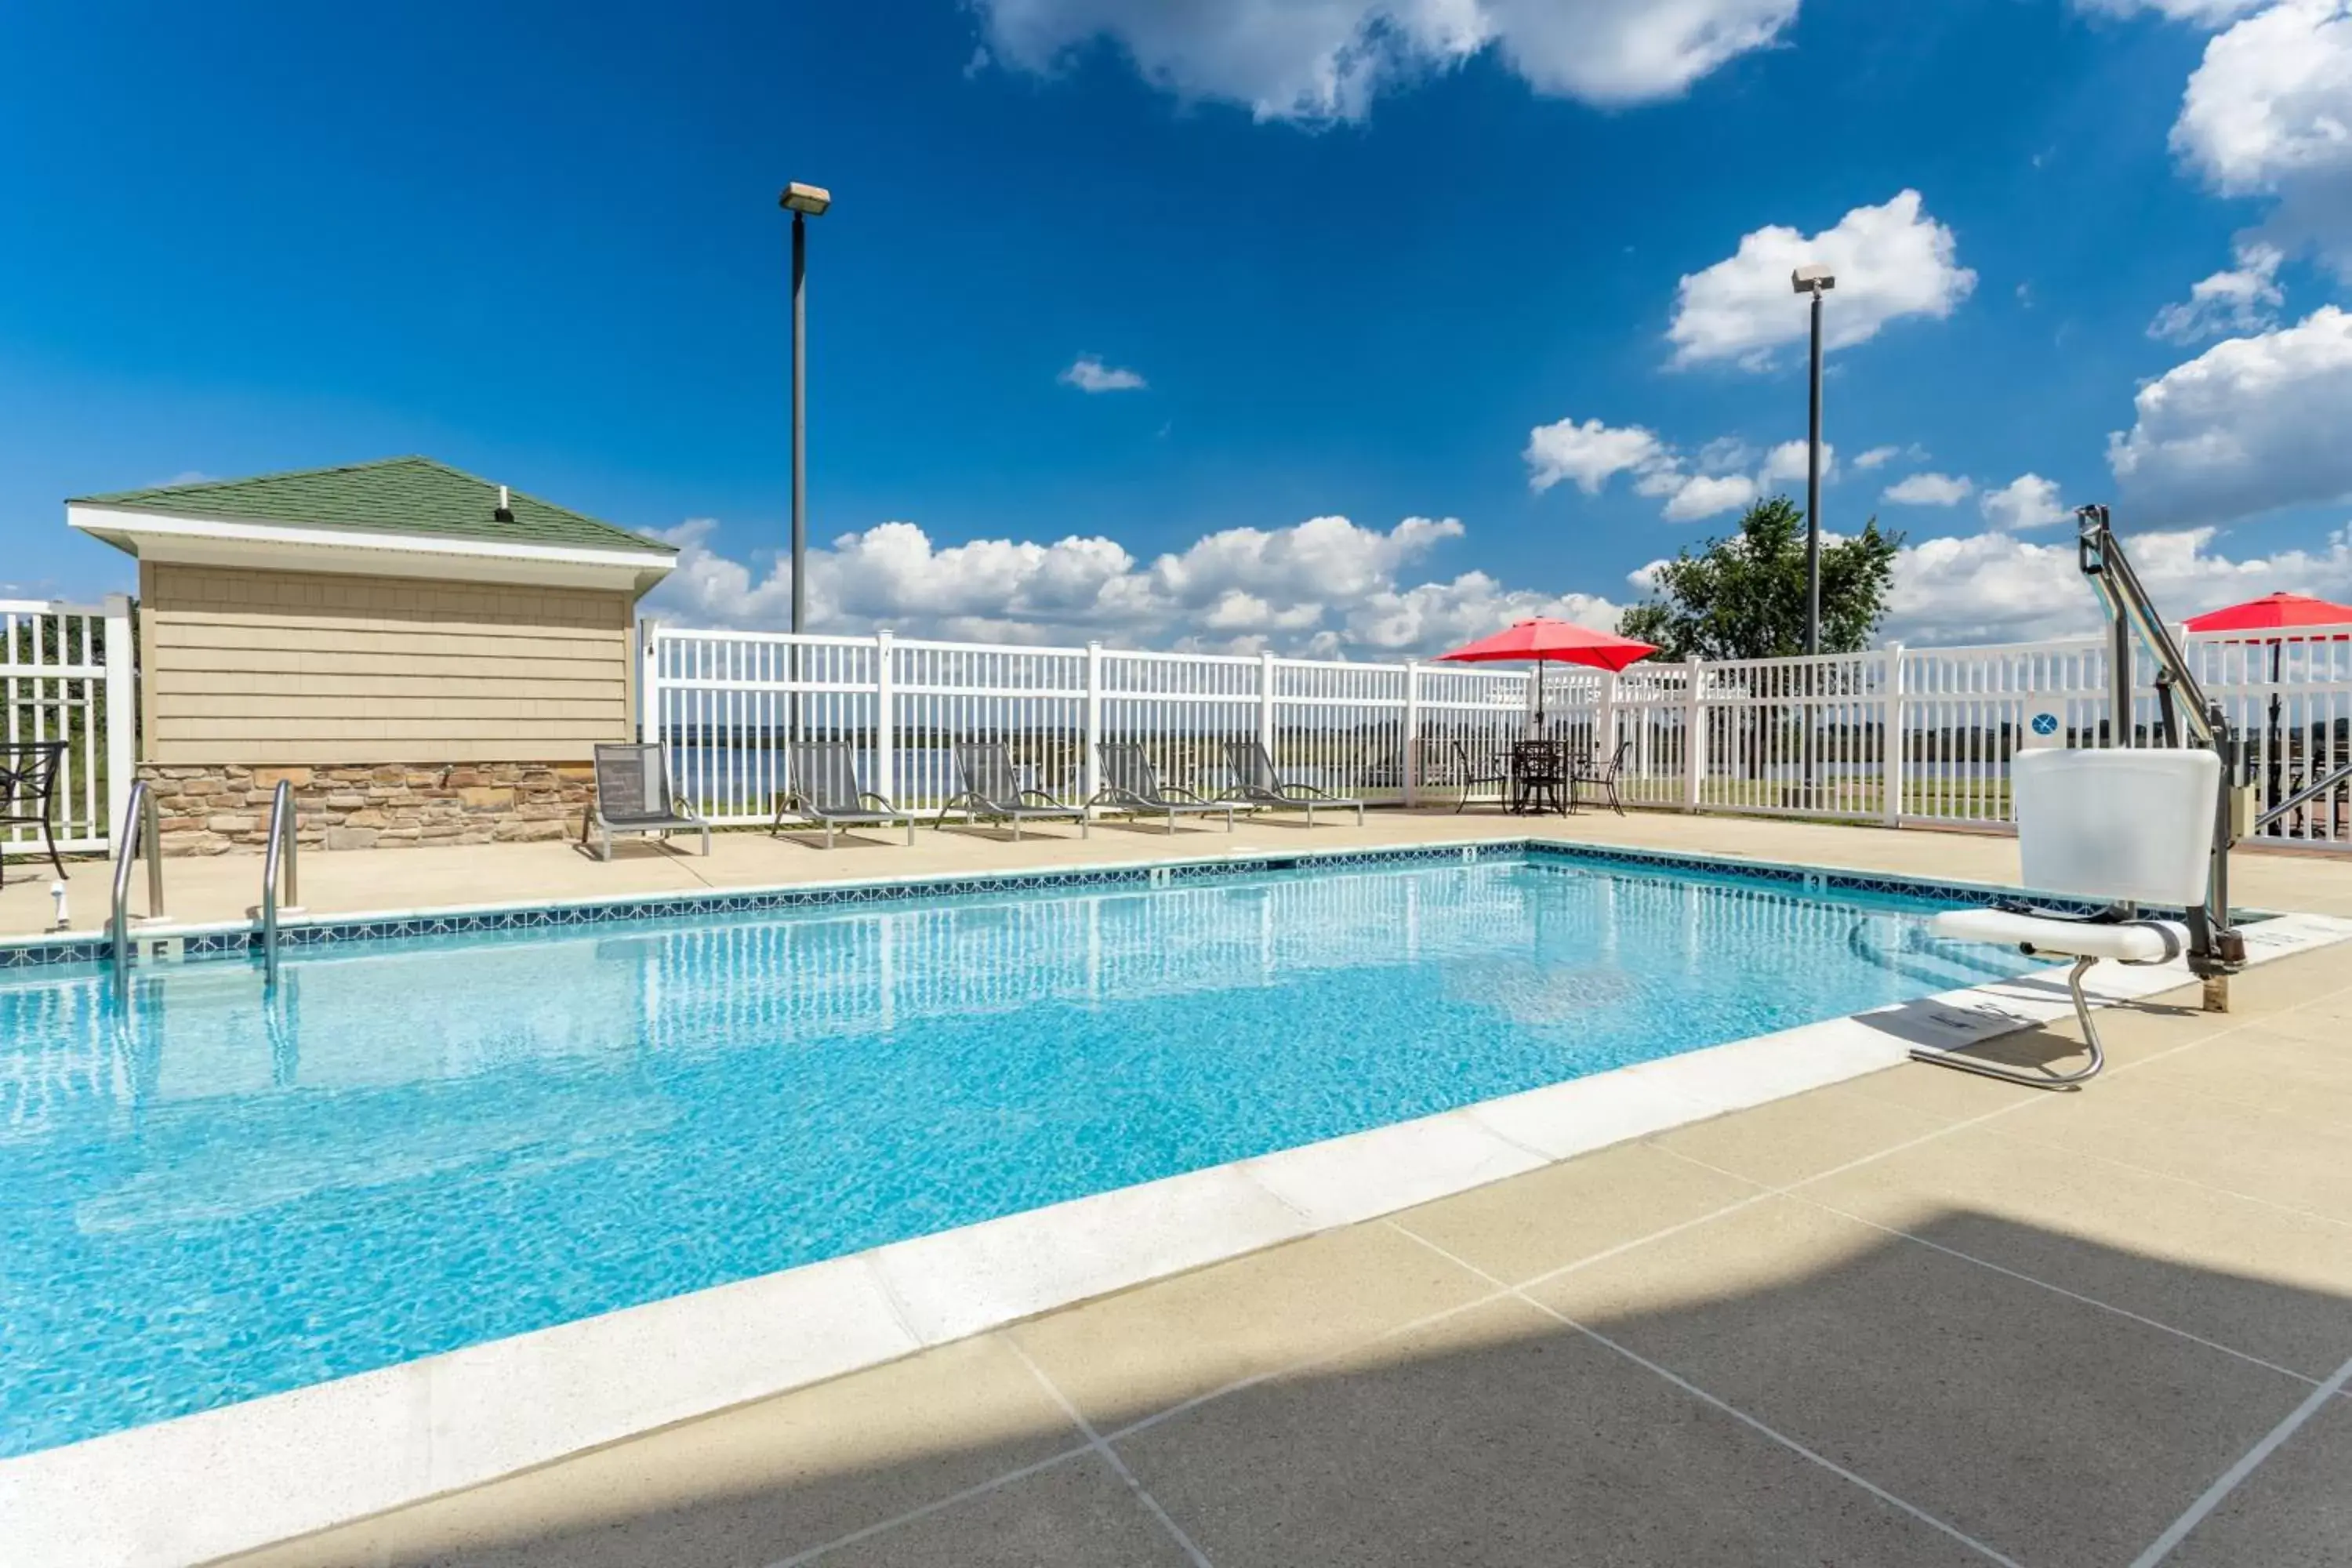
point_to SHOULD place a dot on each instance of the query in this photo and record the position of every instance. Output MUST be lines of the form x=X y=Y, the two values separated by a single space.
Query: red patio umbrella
x=1553 y=642
x=2272 y=611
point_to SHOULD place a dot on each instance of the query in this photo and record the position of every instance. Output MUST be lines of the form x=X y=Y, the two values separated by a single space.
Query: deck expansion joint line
x=2017 y=1274
x=2230 y=1480
x=1727 y=1408
x=1110 y=1455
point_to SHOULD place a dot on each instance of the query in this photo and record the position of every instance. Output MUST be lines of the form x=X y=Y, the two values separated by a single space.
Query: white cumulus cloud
x=1325 y=586
x=1591 y=453
x=1929 y=490
x=1088 y=373
x=1786 y=462
x=1316 y=62
x=2268 y=112
x=2251 y=424
x=2240 y=298
x=2028 y=500
x=1705 y=495
x=1891 y=261
x=1726 y=473
x=1997 y=587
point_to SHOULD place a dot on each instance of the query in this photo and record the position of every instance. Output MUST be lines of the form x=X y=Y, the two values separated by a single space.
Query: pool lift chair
x=2120 y=827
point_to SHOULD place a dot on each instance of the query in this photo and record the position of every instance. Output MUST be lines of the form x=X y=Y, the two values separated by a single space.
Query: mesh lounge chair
x=1603 y=775
x=825 y=790
x=1130 y=785
x=1255 y=784
x=633 y=796
x=992 y=792
x=29 y=782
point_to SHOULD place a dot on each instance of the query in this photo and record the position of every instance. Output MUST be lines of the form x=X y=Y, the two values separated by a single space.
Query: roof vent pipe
x=504 y=514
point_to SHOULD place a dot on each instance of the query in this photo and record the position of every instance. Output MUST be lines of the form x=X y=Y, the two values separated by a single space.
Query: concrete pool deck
x=229 y=887
x=1918 y=1317
x=1914 y=1317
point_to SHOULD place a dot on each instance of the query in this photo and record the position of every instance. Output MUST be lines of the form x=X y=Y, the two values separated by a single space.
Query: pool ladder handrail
x=142 y=834
x=278 y=858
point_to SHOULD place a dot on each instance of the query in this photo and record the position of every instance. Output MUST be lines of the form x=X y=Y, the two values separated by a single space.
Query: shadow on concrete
x=1971 y=1028
x=1672 y=1423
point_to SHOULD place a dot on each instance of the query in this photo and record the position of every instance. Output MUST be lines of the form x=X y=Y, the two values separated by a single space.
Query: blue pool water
x=426 y=1143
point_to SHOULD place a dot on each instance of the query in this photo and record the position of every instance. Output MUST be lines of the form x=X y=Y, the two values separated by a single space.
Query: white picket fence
x=67 y=673
x=1902 y=736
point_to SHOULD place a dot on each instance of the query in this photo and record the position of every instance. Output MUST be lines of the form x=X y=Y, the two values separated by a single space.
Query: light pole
x=1815 y=280
x=804 y=202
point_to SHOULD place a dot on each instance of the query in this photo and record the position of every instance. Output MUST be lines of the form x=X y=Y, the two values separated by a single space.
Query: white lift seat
x=2138 y=942
x=2111 y=828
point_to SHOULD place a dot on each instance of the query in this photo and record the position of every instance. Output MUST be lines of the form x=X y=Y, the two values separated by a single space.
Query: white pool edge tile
x=245 y=1475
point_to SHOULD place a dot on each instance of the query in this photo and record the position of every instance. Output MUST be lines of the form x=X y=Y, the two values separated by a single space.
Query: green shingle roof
x=397 y=495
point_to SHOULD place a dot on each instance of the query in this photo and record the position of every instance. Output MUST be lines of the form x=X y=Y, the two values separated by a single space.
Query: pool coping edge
x=297 y=929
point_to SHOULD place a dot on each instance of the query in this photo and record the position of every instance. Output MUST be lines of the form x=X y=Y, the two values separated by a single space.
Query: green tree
x=1744 y=597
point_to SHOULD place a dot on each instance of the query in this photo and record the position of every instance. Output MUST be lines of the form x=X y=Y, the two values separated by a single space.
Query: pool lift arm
x=2216 y=949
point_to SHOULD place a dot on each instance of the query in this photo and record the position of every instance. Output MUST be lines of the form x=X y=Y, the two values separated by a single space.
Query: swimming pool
x=424 y=1143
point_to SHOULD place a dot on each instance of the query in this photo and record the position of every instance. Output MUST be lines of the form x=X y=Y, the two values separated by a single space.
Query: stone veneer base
x=217 y=808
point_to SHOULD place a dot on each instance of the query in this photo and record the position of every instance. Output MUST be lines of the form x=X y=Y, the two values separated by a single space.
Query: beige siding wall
x=244 y=666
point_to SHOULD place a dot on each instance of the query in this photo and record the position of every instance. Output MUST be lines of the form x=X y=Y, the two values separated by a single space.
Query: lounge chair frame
x=1130 y=785
x=992 y=792
x=662 y=820
x=1257 y=785
x=845 y=804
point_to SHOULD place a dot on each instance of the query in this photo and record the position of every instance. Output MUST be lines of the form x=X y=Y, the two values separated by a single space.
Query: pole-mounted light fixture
x=810 y=199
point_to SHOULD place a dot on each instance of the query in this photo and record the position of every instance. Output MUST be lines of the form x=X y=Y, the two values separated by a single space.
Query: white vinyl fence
x=66 y=674
x=1902 y=736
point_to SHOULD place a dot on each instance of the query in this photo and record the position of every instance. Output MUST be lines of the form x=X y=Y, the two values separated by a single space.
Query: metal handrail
x=279 y=858
x=141 y=833
x=2311 y=791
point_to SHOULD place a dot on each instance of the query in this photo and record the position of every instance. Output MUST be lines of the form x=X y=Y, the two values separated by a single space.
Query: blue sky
x=1362 y=255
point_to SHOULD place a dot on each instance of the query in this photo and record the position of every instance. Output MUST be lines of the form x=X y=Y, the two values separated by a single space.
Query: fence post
x=1694 y=732
x=1091 y=767
x=648 y=683
x=1604 y=718
x=1265 y=702
x=1890 y=770
x=1411 y=773
x=886 y=717
x=121 y=713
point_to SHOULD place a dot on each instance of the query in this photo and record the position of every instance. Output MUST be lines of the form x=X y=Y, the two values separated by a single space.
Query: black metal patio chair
x=1604 y=776
x=1472 y=775
x=29 y=787
x=1539 y=774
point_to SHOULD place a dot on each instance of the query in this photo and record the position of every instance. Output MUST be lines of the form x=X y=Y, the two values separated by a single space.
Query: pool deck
x=229 y=887
x=1915 y=1317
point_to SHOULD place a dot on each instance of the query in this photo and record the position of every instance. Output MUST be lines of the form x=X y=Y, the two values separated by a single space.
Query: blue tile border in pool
x=232 y=940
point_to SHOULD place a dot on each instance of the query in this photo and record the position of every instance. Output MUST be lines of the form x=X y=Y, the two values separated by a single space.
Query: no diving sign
x=2044 y=727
